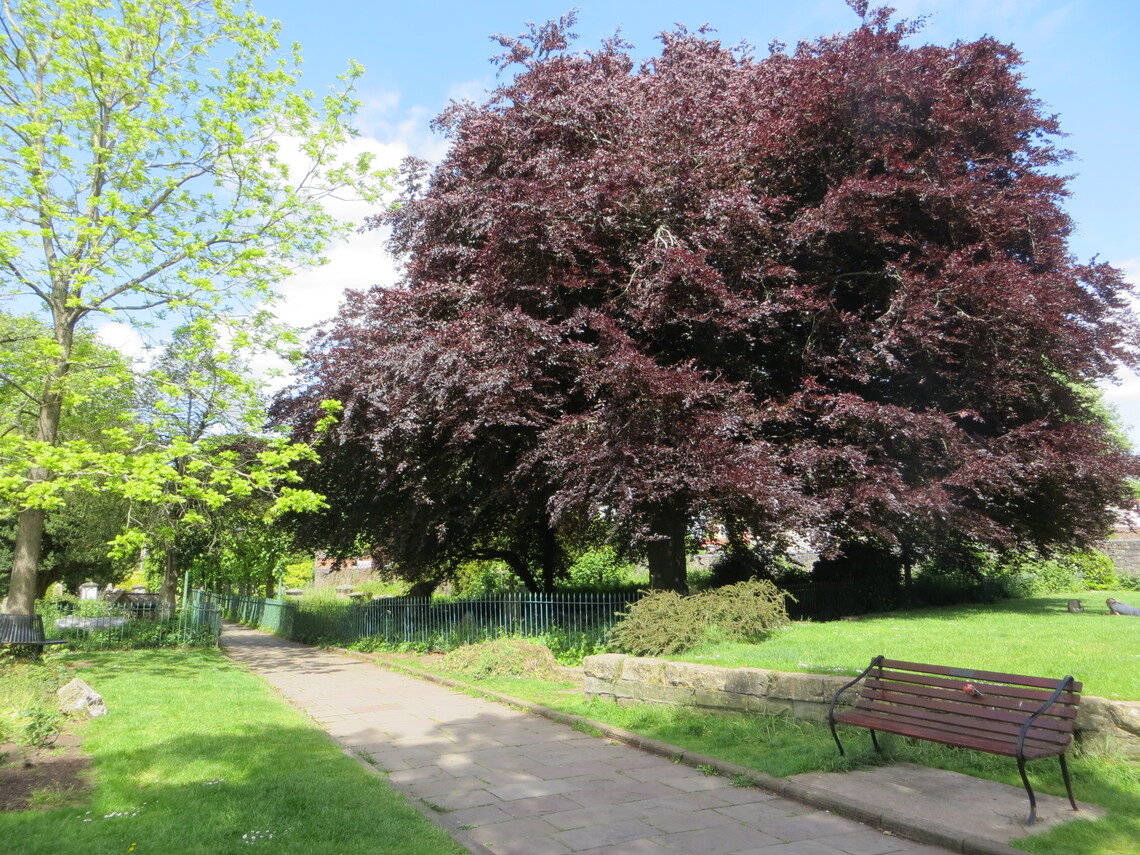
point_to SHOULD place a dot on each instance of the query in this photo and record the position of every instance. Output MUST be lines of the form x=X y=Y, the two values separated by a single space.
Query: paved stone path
x=518 y=784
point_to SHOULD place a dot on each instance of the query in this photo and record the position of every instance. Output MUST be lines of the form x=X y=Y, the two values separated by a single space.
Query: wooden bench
x=1009 y=714
x=25 y=631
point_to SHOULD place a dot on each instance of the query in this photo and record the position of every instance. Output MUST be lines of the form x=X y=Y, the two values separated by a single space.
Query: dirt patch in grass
x=43 y=777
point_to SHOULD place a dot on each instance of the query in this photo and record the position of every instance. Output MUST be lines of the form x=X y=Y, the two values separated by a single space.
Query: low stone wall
x=1101 y=724
x=1125 y=554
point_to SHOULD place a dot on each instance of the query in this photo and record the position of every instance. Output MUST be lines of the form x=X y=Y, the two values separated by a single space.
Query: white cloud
x=126 y=339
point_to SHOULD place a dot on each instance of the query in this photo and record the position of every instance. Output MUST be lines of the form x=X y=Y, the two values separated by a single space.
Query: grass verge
x=199 y=757
x=1037 y=635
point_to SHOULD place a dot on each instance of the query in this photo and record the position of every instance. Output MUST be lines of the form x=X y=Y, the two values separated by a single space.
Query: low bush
x=503 y=657
x=664 y=622
x=598 y=570
x=1066 y=573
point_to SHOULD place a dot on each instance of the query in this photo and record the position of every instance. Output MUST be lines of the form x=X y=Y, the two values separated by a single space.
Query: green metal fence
x=95 y=625
x=576 y=617
x=274 y=616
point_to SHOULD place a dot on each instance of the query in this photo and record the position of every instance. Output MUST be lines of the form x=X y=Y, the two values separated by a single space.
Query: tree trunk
x=26 y=561
x=551 y=559
x=30 y=527
x=667 y=551
x=168 y=594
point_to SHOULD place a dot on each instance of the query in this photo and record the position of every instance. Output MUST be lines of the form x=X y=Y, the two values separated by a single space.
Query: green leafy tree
x=158 y=158
x=99 y=395
x=200 y=418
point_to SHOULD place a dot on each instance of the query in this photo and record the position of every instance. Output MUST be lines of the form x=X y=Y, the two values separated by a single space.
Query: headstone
x=80 y=699
x=88 y=591
x=1075 y=606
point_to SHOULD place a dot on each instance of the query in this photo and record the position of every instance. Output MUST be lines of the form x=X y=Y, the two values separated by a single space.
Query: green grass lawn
x=1031 y=636
x=198 y=757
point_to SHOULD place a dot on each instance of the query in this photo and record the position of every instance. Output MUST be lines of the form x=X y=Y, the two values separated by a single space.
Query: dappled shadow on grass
x=206 y=794
x=138 y=663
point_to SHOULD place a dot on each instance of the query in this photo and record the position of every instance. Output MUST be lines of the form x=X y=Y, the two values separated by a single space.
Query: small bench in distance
x=25 y=631
x=1014 y=715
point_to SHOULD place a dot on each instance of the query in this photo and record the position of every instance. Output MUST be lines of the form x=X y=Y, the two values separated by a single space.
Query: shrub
x=664 y=622
x=479 y=578
x=598 y=570
x=1067 y=573
x=1096 y=569
x=503 y=657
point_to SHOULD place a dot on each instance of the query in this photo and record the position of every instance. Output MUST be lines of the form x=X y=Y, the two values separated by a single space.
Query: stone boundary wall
x=1125 y=554
x=1101 y=724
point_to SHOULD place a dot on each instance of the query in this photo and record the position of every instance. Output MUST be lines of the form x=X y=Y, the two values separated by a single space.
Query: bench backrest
x=988 y=702
x=21 y=629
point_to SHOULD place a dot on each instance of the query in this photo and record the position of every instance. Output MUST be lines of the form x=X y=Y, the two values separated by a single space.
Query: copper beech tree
x=827 y=291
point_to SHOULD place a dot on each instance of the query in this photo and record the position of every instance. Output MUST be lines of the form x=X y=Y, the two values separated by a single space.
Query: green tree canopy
x=159 y=158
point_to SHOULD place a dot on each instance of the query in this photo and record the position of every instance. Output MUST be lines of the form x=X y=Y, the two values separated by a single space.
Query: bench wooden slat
x=996 y=690
x=975 y=741
x=960 y=702
x=1046 y=732
x=973 y=675
x=1020 y=698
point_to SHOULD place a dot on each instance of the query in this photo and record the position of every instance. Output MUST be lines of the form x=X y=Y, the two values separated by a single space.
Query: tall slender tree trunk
x=667 y=550
x=22 y=585
x=26 y=561
x=551 y=558
x=168 y=594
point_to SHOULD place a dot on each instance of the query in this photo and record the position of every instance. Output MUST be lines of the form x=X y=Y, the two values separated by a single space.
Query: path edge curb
x=869 y=814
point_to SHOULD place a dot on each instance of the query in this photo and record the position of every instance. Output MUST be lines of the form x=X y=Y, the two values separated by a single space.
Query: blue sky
x=1081 y=60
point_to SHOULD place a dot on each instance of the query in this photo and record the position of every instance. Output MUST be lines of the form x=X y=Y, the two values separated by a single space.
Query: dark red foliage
x=827 y=292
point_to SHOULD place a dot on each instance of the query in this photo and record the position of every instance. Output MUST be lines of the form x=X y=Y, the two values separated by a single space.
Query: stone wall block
x=606 y=666
x=665 y=694
x=592 y=686
x=716 y=700
x=692 y=676
x=748 y=681
x=637 y=669
x=804 y=687
x=1126 y=716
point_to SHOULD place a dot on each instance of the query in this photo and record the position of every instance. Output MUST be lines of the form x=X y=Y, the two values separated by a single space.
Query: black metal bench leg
x=1032 y=798
x=835 y=736
x=1068 y=783
x=875 y=742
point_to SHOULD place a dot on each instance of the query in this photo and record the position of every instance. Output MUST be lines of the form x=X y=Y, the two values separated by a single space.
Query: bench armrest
x=1061 y=687
x=878 y=660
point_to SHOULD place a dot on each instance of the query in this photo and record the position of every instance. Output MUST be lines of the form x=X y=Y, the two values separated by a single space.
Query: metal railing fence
x=575 y=617
x=433 y=622
x=95 y=625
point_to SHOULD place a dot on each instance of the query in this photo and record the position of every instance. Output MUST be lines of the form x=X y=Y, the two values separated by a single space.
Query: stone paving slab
x=504 y=781
x=929 y=795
